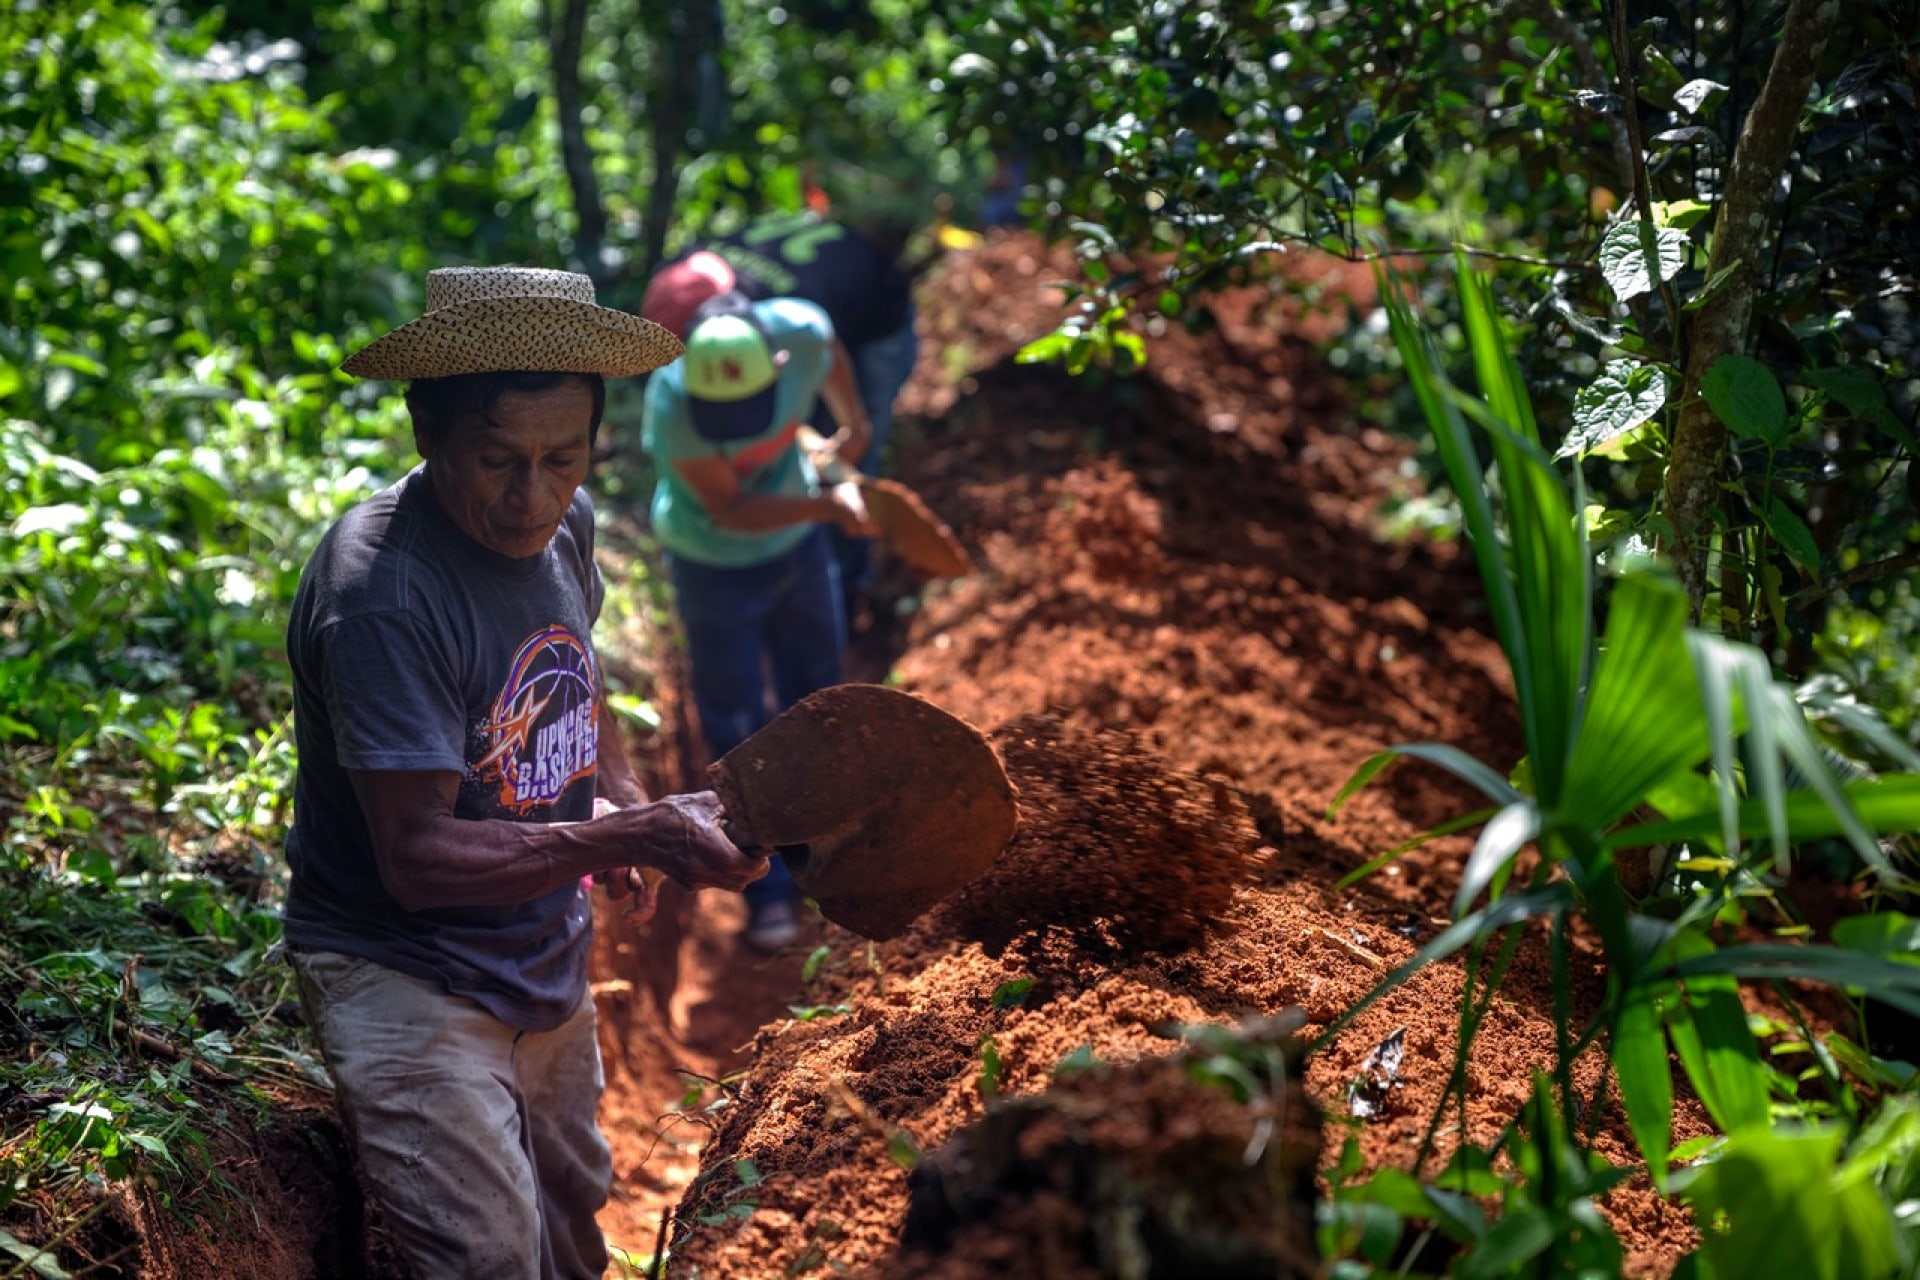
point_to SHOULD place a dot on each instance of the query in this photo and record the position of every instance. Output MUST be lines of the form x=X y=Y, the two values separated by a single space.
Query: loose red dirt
x=1184 y=635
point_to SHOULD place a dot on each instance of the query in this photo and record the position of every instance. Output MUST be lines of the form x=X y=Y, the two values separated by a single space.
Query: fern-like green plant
x=1646 y=733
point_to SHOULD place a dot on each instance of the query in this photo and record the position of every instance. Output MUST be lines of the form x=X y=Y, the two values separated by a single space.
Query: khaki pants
x=479 y=1141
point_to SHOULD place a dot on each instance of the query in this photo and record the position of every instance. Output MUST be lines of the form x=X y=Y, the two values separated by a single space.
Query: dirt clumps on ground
x=1153 y=1168
x=1183 y=613
x=1115 y=847
x=1109 y=526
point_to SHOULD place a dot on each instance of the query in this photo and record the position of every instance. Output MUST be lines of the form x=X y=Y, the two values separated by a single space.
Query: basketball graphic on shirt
x=542 y=734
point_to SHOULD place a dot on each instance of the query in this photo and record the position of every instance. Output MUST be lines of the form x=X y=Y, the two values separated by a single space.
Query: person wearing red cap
x=848 y=275
x=744 y=518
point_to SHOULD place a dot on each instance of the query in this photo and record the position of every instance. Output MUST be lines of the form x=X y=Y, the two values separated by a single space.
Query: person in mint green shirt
x=744 y=518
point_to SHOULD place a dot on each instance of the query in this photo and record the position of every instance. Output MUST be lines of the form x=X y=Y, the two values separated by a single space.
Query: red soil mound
x=1186 y=635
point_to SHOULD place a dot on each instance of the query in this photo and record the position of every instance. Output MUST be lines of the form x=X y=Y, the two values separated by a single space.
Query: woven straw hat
x=509 y=319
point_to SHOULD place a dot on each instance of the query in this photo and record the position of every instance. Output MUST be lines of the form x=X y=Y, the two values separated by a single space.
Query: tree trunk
x=1740 y=234
x=692 y=34
x=565 y=36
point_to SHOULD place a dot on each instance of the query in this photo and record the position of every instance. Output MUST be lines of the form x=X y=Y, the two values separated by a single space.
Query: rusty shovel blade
x=921 y=539
x=881 y=802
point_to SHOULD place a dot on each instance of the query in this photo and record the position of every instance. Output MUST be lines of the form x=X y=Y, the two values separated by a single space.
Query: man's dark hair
x=438 y=405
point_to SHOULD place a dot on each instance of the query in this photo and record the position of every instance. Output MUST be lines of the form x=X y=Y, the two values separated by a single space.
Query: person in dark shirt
x=460 y=780
x=868 y=301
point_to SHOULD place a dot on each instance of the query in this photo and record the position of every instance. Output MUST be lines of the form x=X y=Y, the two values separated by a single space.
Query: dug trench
x=1186 y=631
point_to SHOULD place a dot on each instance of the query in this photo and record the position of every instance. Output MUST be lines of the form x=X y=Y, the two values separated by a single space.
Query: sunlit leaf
x=1510 y=831
x=1624 y=395
x=1636 y=258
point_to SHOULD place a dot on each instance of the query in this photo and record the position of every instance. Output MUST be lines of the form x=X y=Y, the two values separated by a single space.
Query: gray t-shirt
x=415 y=648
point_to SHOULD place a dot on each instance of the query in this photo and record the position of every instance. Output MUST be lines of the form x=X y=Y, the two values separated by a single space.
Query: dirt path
x=1185 y=636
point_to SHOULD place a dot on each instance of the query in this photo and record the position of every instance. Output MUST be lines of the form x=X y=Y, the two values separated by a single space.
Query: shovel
x=921 y=540
x=881 y=803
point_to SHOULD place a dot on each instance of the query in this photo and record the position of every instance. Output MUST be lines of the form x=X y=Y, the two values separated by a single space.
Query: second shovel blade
x=921 y=540
x=882 y=802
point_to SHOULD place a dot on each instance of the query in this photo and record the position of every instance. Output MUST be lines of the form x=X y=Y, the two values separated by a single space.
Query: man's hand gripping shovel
x=881 y=803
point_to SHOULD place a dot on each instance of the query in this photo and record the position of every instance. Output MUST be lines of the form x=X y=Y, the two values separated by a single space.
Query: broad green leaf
x=1791 y=532
x=1894 y=983
x=638 y=710
x=1635 y=257
x=1360 y=1226
x=1389 y=132
x=1051 y=346
x=1712 y=286
x=79 y=362
x=1399 y=1191
x=36 y=1260
x=60 y=518
x=1426 y=372
x=1625 y=395
x=1011 y=994
x=1881 y=804
x=1679 y=214
x=815 y=961
x=1892 y=934
x=1862 y=395
x=1771 y=1206
x=1605 y=522
x=1646 y=1081
x=1729 y=1063
x=1360 y=122
x=1551 y=640
x=1771 y=707
x=1692 y=95
x=1521 y=1234
x=1745 y=395
x=1643 y=719
x=1823 y=703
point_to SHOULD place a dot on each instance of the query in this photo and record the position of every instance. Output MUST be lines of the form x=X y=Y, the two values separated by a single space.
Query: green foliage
x=1012 y=993
x=815 y=1012
x=1212 y=137
x=131 y=998
x=1546 y=1222
x=172 y=445
x=173 y=438
x=989 y=1075
x=1188 y=147
x=1645 y=718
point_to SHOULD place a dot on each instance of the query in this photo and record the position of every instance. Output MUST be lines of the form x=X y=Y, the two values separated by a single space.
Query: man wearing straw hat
x=455 y=750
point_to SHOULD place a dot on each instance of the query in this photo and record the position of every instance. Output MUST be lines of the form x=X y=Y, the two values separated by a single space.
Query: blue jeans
x=781 y=619
x=880 y=367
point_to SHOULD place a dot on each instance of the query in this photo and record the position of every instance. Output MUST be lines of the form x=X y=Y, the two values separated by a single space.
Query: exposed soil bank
x=1185 y=636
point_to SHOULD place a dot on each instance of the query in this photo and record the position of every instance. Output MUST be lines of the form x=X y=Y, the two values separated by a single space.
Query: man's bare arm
x=429 y=858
